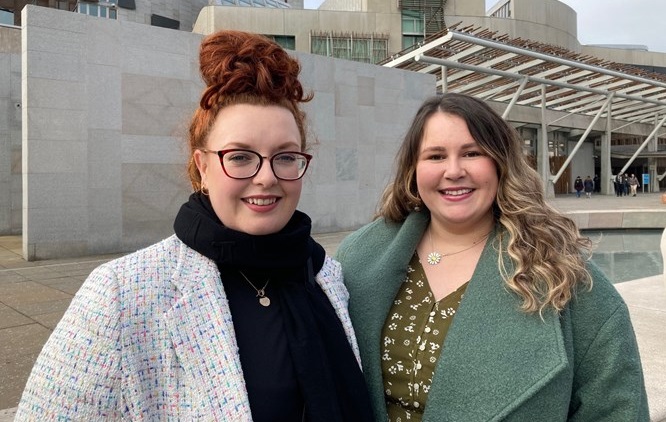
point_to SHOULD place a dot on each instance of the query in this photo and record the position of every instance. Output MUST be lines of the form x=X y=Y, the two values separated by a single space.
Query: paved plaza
x=34 y=295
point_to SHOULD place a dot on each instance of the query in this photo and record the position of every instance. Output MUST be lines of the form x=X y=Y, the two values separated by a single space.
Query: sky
x=610 y=21
x=619 y=22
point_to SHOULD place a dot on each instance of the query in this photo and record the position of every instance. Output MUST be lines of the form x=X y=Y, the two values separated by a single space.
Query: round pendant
x=434 y=258
x=264 y=301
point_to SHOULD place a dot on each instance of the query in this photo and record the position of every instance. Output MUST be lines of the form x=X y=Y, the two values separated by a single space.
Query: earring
x=418 y=202
x=204 y=190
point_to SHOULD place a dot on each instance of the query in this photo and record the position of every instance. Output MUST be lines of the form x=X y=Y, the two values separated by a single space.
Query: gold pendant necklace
x=435 y=257
x=261 y=293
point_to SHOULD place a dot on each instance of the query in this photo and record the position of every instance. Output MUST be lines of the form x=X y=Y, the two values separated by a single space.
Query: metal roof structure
x=479 y=62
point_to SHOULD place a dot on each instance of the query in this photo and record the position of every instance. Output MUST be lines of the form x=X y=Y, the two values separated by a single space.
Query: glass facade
x=366 y=49
x=413 y=28
x=288 y=42
x=103 y=9
x=270 y=4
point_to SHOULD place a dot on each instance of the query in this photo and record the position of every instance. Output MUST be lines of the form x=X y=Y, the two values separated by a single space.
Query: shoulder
x=370 y=234
x=594 y=309
x=380 y=237
x=153 y=265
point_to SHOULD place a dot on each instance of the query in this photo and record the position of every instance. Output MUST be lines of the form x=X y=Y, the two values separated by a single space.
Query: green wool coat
x=500 y=363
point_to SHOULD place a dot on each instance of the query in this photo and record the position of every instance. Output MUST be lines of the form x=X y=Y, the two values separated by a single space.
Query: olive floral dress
x=413 y=336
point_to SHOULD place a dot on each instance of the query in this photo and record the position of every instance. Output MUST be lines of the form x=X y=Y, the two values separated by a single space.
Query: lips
x=261 y=201
x=456 y=192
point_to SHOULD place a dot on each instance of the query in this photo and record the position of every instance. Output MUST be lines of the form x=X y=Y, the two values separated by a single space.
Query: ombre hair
x=243 y=68
x=546 y=249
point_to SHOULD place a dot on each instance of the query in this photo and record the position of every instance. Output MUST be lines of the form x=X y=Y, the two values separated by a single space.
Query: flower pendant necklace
x=435 y=257
x=261 y=293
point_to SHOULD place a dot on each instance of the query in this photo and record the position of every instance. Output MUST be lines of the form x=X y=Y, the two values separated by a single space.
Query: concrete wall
x=185 y=12
x=299 y=23
x=105 y=109
x=10 y=131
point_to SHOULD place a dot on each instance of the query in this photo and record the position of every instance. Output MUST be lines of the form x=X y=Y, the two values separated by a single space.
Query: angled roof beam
x=508 y=108
x=582 y=139
x=644 y=144
x=493 y=44
x=511 y=75
x=424 y=48
x=467 y=53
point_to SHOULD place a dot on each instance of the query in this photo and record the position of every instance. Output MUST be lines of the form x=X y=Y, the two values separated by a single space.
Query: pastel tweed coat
x=150 y=337
x=498 y=363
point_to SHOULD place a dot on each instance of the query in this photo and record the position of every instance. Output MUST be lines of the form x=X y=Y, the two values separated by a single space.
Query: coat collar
x=203 y=338
x=495 y=356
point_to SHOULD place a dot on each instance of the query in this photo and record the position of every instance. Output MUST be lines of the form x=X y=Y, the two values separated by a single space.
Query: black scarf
x=330 y=380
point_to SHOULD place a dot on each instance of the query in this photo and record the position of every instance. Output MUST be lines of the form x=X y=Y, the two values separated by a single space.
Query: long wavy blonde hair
x=546 y=249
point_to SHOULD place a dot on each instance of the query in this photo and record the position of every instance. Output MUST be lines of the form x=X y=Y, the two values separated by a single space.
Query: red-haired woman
x=240 y=315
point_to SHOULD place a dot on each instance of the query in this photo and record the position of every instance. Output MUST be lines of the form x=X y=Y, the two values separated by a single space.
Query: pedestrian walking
x=578 y=185
x=619 y=186
x=588 y=185
x=633 y=184
x=597 y=183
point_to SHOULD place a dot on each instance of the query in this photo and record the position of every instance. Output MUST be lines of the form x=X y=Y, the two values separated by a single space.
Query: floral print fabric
x=413 y=337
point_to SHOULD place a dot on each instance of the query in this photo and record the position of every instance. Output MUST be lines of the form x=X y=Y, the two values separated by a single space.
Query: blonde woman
x=472 y=299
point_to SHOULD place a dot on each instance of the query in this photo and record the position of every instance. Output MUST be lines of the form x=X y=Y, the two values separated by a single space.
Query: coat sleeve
x=77 y=374
x=608 y=380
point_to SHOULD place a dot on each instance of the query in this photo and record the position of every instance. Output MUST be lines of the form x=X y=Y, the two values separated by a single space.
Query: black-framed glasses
x=245 y=163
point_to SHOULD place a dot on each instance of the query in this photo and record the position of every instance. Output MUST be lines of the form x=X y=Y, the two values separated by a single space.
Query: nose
x=265 y=176
x=454 y=168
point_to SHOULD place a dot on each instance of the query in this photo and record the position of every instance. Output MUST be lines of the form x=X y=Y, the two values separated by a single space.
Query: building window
x=411 y=40
x=413 y=28
x=6 y=17
x=103 y=9
x=359 y=48
x=164 y=22
x=288 y=42
x=62 y=5
x=413 y=22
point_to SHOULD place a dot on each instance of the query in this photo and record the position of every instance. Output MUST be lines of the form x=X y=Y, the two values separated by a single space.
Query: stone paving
x=34 y=295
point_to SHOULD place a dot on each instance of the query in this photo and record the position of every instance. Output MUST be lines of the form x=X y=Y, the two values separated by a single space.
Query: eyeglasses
x=245 y=163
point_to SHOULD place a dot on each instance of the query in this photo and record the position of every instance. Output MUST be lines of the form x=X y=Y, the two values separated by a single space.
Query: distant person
x=472 y=298
x=625 y=185
x=588 y=186
x=619 y=185
x=578 y=186
x=597 y=183
x=239 y=316
x=633 y=184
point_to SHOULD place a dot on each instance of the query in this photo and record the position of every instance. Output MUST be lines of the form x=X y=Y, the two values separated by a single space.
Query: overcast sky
x=619 y=21
x=610 y=21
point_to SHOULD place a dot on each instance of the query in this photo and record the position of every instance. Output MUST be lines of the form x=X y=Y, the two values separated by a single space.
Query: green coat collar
x=495 y=355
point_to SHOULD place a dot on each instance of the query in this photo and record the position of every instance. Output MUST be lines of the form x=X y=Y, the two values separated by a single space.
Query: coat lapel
x=374 y=289
x=330 y=281
x=204 y=341
x=494 y=352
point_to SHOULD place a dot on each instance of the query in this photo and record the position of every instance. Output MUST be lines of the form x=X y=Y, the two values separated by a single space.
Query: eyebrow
x=283 y=146
x=468 y=145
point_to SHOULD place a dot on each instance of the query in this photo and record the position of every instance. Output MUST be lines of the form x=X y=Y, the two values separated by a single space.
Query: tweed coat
x=499 y=363
x=150 y=337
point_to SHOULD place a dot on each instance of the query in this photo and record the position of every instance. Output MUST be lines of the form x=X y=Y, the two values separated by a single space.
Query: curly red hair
x=243 y=68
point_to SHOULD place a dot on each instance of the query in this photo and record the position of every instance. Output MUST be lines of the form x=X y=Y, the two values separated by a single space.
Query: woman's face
x=262 y=204
x=456 y=180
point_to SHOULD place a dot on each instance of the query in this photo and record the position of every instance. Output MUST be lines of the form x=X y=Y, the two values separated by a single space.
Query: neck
x=457 y=237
